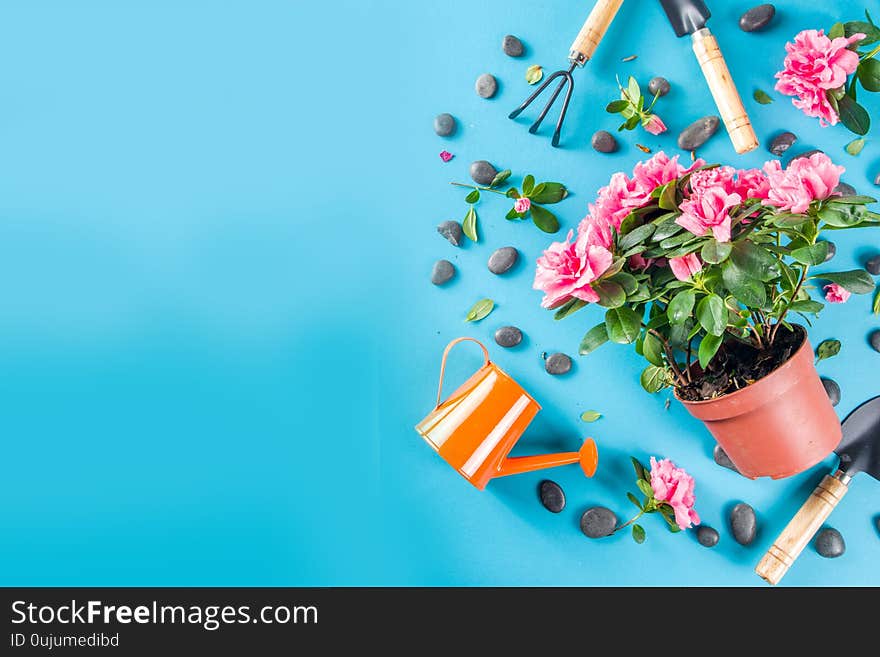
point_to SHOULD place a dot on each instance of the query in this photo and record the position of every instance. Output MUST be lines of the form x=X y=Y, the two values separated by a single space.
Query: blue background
x=217 y=223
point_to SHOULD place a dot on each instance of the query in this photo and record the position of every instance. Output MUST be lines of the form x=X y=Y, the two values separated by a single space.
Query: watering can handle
x=446 y=355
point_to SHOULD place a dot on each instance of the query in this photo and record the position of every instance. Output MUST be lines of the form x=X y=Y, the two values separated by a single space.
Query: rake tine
x=562 y=114
x=519 y=110
x=543 y=114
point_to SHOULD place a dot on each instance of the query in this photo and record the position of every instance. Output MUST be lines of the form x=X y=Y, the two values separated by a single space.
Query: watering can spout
x=588 y=457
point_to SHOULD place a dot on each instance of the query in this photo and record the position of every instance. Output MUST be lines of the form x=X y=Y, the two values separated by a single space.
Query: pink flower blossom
x=618 y=199
x=446 y=156
x=685 y=267
x=639 y=263
x=707 y=210
x=803 y=181
x=654 y=124
x=566 y=270
x=814 y=65
x=834 y=293
x=723 y=177
x=522 y=205
x=658 y=171
x=752 y=183
x=675 y=487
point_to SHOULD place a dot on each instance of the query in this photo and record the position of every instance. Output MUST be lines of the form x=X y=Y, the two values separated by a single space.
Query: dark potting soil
x=738 y=365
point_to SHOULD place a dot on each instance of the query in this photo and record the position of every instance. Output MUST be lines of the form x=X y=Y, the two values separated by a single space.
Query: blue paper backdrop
x=217 y=330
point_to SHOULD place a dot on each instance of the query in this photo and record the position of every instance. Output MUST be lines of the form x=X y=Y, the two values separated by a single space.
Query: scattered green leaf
x=590 y=416
x=762 y=97
x=500 y=178
x=469 y=225
x=534 y=74
x=473 y=197
x=638 y=534
x=544 y=219
x=629 y=58
x=827 y=349
x=855 y=146
x=480 y=310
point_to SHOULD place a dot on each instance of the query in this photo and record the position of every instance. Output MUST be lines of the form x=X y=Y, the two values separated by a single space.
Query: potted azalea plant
x=704 y=270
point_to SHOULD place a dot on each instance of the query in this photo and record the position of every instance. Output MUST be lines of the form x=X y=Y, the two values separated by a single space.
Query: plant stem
x=670 y=356
x=628 y=523
x=869 y=55
x=483 y=189
x=688 y=363
x=794 y=294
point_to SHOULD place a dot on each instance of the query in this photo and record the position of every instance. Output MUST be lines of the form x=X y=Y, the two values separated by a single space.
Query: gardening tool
x=689 y=17
x=580 y=53
x=477 y=426
x=859 y=451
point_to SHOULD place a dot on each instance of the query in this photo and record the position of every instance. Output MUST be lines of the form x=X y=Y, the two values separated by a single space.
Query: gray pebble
x=598 y=522
x=757 y=18
x=875 y=341
x=445 y=125
x=508 y=336
x=832 y=251
x=832 y=390
x=483 y=173
x=557 y=364
x=830 y=544
x=552 y=496
x=743 y=523
x=781 y=143
x=486 y=85
x=873 y=266
x=722 y=459
x=603 y=142
x=503 y=260
x=442 y=273
x=512 y=46
x=877 y=180
x=707 y=536
x=806 y=154
x=698 y=133
x=658 y=85
x=451 y=230
x=846 y=190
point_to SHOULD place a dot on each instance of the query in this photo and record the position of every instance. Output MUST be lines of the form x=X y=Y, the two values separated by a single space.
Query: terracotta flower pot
x=777 y=427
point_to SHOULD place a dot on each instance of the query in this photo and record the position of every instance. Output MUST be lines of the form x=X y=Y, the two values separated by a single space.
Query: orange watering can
x=475 y=429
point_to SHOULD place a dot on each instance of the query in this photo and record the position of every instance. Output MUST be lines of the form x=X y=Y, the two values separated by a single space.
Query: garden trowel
x=689 y=17
x=859 y=451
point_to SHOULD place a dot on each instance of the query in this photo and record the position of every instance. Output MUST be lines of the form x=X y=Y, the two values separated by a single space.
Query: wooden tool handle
x=727 y=98
x=801 y=529
x=593 y=30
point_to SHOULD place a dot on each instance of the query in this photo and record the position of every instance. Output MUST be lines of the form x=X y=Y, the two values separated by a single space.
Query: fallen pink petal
x=446 y=156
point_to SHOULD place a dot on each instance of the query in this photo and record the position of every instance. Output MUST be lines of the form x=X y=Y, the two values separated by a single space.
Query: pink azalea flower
x=675 y=487
x=803 y=181
x=814 y=65
x=618 y=199
x=446 y=156
x=639 y=263
x=522 y=205
x=707 y=210
x=752 y=183
x=834 y=293
x=659 y=170
x=654 y=124
x=566 y=270
x=723 y=177
x=685 y=267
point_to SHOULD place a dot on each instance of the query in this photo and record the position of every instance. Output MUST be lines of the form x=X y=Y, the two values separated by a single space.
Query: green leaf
x=654 y=379
x=857 y=281
x=762 y=97
x=512 y=215
x=653 y=350
x=836 y=31
x=708 y=348
x=513 y=192
x=632 y=498
x=641 y=472
x=552 y=192
x=569 y=308
x=668 y=196
x=869 y=74
x=811 y=255
x=852 y=200
x=638 y=534
x=611 y=294
x=855 y=146
x=627 y=281
x=473 y=197
x=715 y=252
x=528 y=184
x=712 y=314
x=872 y=34
x=534 y=74
x=853 y=116
x=590 y=416
x=469 y=225
x=807 y=306
x=827 y=349
x=594 y=338
x=636 y=236
x=501 y=178
x=681 y=307
x=633 y=90
x=645 y=487
x=544 y=219
x=877 y=302
x=616 y=106
x=623 y=325
x=755 y=261
x=842 y=215
x=480 y=310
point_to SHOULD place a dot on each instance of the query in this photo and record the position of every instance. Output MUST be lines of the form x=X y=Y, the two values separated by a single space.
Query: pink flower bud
x=522 y=205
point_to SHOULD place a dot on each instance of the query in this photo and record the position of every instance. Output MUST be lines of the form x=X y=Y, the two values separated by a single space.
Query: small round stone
x=658 y=86
x=743 y=523
x=698 y=133
x=598 y=522
x=707 y=536
x=552 y=496
x=806 y=154
x=508 y=337
x=832 y=390
x=781 y=143
x=875 y=341
x=757 y=18
x=445 y=125
x=443 y=272
x=832 y=251
x=846 y=190
x=451 y=230
x=483 y=173
x=830 y=544
x=486 y=85
x=722 y=459
x=557 y=364
x=873 y=266
x=877 y=180
x=512 y=46
x=503 y=260
x=604 y=142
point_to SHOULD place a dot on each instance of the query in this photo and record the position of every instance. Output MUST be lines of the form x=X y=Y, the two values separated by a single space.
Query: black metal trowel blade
x=686 y=16
x=859 y=450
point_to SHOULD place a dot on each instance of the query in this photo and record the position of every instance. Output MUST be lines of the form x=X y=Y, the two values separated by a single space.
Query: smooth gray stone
x=845 y=190
x=832 y=390
x=552 y=496
x=877 y=180
x=598 y=522
x=452 y=231
x=443 y=272
x=782 y=142
x=832 y=251
x=486 y=85
x=503 y=260
x=722 y=459
x=875 y=341
x=757 y=18
x=557 y=364
x=658 y=85
x=743 y=523
x=512 y=46
x=604 y=142
x=698 y=133
x=873 y=266
x=483 y=173
x=830 y=544
x=445 y=125
x=707 y=536
x=508 y=336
